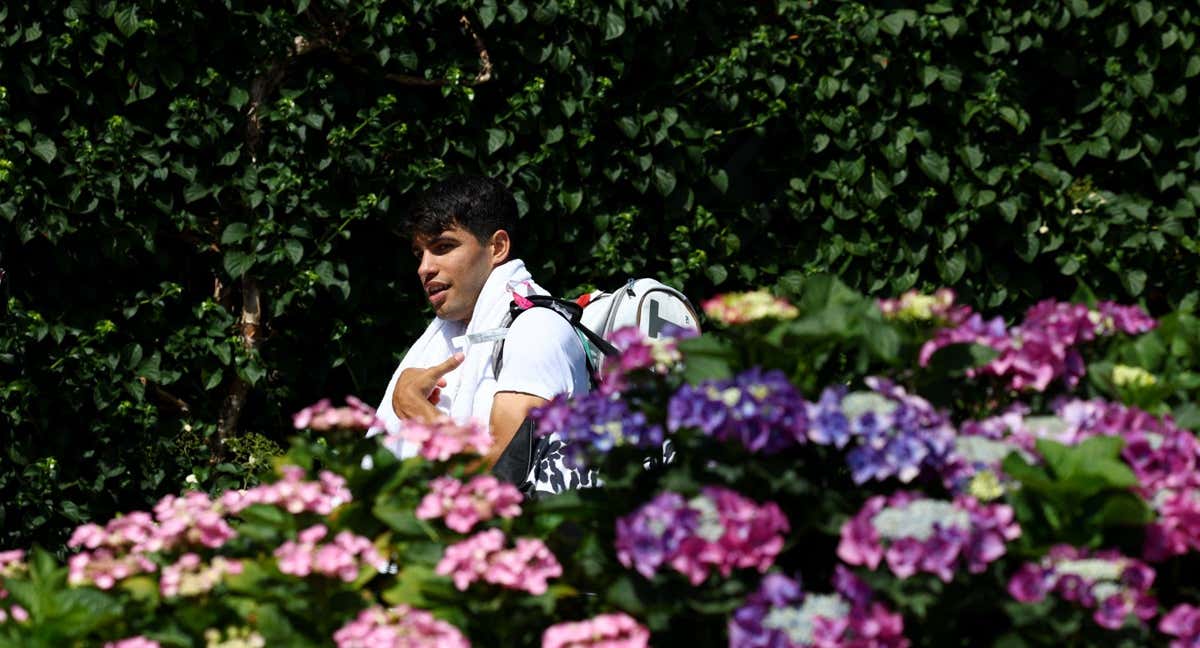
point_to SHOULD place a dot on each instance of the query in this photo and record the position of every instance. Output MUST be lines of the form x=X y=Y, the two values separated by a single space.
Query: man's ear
x=501 y=245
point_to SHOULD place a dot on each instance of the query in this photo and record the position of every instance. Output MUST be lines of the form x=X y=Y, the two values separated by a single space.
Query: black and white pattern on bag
x=550 y=474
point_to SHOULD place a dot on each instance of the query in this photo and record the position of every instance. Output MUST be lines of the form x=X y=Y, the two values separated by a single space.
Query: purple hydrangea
x=980 y=447
x=781 y=615
x=595 y=423
x=641 y=353
x=917 y=534
x=1183 y=621
x=717 y=531
x=649 y=538
x=1111 y=584
x=896 y=434
x=761 y=410
x=1044 y=346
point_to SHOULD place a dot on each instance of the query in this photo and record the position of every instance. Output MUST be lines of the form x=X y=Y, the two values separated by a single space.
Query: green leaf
x=45 y=149
x=487 y=13
x=937 y=167
x=895 y=22
x=1143 y=84
x=717 y=274
x=1142 y=12
x=951 y=268
x=294 y=249
x=630 y=126
x=194 y=192
x=496 y=138
x=614 y=25
x=238 y=263
x=237 y=97
x=1134 y=282
x=664 y=180
x=776 y=83
x=234 y=232
x=1117 y=124
x=956 y=359
x=571 y=199
x=127 y=20
x=720 y=180
x=951 y=25
x=706 y=358
x=516 y=9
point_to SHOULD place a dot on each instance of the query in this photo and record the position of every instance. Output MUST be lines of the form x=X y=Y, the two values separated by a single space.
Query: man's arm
x=543 y=358
x=509 y=410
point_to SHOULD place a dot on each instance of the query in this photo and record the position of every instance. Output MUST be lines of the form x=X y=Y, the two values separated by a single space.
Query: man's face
x=453 y=266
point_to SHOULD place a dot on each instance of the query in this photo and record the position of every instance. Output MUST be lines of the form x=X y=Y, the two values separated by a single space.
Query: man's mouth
x=433 y=292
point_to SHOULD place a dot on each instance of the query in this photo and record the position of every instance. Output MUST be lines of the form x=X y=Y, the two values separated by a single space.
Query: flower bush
x=813 y=436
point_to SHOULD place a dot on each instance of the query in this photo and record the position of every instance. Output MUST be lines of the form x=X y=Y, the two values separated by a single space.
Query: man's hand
x=418 y=390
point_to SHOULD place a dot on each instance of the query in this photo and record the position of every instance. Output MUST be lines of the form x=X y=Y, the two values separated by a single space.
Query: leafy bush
x=196 y=199
x=859 y=514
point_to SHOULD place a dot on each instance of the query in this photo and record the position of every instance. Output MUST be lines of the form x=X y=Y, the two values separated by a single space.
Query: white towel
x=469 y=388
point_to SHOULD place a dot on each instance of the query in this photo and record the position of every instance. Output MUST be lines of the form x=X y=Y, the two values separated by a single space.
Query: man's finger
x=435 y=395
x=448 y=365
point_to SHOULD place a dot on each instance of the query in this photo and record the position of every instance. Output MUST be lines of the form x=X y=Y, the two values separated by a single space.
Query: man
x=462 y=234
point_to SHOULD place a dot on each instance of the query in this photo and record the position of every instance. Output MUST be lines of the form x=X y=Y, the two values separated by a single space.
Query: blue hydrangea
x=595 y=423
x=760 y=410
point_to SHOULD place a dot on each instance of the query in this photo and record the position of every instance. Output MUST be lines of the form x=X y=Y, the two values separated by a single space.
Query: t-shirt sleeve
x=543 y=356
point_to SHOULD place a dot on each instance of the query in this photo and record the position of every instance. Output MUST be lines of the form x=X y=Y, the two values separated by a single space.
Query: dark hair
x=477 y=204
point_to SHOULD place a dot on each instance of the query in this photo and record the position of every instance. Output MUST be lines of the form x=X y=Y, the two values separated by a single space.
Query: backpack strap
x=570 y=311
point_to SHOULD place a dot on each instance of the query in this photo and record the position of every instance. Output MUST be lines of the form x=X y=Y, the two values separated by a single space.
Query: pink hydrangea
x=12 y=562
x=1045 y=345
x=341 y=558
x=189 y=520
x=133 y=531
x=914 y=306
x=617 y=630
x=638 y=352
x=398 y=627
x=745 y=307
x=732 y=532
x=322 y=416
x=442 y=439
x=465 y=505
x=916 y=534
x=293 y=493
x=1182 y=622
x=1114 y=585
x=16 y=613
x=718 y=530
x=104 y=568
x=528 y=566
x=133 y=642
x=188 y=576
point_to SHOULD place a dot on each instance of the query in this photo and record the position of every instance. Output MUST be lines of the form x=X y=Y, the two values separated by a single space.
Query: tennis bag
x=652 y=306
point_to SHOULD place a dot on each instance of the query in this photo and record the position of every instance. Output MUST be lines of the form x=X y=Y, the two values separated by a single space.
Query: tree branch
x=266 y=84
x=165 y=397
x=483 y=76
x=239 y=389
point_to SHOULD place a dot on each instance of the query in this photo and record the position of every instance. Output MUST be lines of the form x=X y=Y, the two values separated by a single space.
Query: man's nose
x=426 y=269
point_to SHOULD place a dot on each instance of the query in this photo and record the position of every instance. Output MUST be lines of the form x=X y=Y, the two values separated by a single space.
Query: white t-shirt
x=543 y=356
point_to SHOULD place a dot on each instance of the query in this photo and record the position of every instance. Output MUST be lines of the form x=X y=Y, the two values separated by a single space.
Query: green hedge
x=197 y=198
